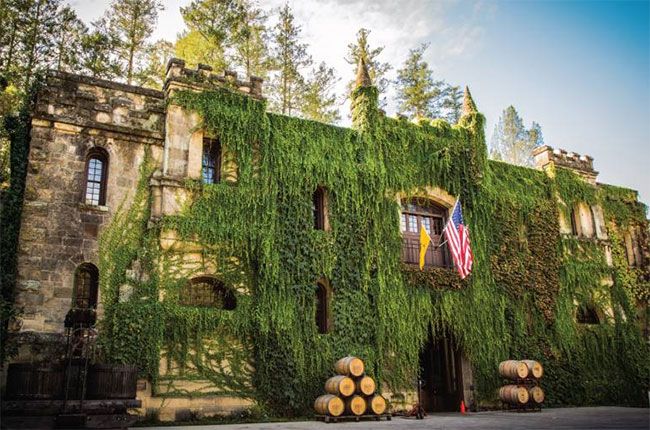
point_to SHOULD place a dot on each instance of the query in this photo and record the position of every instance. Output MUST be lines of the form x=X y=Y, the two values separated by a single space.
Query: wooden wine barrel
x=535 y=369
x=112 y=381
x=514 y=394
x=536 y=395
x=340 y=385
x=349 y=366
x=513 y=369
x=329 y=404
x=355 y=405
x=365 y=385
x=29 y=381
x=376 y=404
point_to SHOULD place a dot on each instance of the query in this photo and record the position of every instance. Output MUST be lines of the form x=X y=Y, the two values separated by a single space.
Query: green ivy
x=257 y=236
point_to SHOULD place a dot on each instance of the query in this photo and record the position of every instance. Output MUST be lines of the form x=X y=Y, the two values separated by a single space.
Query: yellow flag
x=425 y=239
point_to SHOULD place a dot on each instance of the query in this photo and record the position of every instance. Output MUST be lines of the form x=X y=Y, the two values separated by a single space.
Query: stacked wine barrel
x=351 y=393
x=523 y=390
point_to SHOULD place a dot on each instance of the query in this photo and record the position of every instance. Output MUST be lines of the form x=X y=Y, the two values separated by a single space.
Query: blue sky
x=579 y=68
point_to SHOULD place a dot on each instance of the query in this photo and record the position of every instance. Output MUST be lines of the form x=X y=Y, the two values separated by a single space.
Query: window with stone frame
x=421 y=213
x=323 y=300
x=207 y=292
x=211 y=161
x=96 y=177
x=86 y=283
x=632 y=247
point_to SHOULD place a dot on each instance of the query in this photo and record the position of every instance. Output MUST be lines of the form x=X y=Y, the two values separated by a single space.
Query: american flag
x=458 y=241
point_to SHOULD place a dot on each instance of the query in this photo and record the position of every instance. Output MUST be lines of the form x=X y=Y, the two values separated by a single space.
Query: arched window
x=207 y=292
x=323 y=298
x=96 y=177
x=211 y=161
x=417 y=213
x=86 y=282
x=319 y=209
x=587 y=314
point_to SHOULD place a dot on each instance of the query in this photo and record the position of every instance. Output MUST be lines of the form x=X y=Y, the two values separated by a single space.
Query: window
x=574 y=222
x=323 y=298
x=319 y=209
x=96 y=176
x=207 y=292
x=632 y=247
x=421 y=213
x=587 y=314
x=86 y=281
x=211 y=161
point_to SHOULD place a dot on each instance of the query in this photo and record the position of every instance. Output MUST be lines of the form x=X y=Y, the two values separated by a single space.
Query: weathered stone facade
x=74 y=114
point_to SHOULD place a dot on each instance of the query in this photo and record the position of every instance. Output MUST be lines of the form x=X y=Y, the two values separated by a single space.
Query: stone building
x=91 y=141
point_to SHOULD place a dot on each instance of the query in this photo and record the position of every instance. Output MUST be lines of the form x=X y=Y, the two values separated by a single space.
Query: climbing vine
x=257 y=236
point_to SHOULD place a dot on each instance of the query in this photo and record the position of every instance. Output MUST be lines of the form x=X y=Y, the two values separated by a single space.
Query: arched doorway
x=441 y=374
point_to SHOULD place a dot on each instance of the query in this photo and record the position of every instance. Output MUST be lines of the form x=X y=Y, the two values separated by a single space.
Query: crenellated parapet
x=177 y=75
x=546 y=156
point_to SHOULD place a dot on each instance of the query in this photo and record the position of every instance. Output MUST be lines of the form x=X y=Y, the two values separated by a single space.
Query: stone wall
x=59 y=231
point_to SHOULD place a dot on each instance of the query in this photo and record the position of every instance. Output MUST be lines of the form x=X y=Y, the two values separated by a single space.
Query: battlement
x=203 y=77
x=545 y=156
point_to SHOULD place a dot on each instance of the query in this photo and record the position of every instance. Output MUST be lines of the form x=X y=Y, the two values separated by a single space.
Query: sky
x=581 y=69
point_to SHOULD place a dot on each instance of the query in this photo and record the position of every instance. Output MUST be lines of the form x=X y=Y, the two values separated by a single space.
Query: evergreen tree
x=68 y=38
x=376 y=69
x=452 y=103
x=226 y=34
x=535 y=135
x=250 y=39
x=318 y=99
x=28 y=26
x=11 y=23
x=511 y=142
x=418 y=94
x=210 y=23
x=290 y=57
x=96 y=49
x=130 y=24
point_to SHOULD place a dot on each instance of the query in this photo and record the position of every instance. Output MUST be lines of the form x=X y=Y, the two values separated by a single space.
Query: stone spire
x=363 y=78
x=469 y=107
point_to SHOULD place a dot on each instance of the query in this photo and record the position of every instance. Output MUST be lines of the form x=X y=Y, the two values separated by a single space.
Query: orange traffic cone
x=462 y=407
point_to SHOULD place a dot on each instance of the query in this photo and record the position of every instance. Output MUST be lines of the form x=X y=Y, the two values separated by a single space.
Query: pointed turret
x=469 y=107
x=364 y=99
x=363 y=77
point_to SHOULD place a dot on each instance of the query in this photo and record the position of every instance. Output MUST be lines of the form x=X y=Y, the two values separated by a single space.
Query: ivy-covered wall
x=257 y=236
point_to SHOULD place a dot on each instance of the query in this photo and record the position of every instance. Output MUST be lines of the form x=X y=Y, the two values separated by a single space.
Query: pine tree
x=35 y=22
x=318 y=99
x=96 y=57
x=68 y=38
x=511 y=142
x=535 y=135
x=290 y=57
x=376 y=69
x=131 y=23
x=249 y=38
x=452 y=103
x=11 y=23
x=210 y=24
x=418 y=94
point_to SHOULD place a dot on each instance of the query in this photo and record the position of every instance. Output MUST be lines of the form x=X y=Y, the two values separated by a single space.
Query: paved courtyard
x=551 y=419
